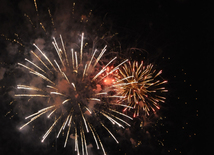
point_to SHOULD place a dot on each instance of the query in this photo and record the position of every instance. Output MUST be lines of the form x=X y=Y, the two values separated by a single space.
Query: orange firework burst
x=140 y=87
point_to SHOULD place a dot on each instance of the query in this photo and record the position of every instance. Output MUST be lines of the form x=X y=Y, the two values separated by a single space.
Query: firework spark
x=75 y=94
x=139 y=87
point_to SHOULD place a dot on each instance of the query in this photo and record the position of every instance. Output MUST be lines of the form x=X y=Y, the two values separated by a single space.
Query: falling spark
x=101 y=54
x=36 y=7
x=39 y=59
x=109 y=132
x=35 y=65
x=32 y=95
x=28 y=87
x=43 y=27
x=69 y=124
x=57 y=93
x=44 y=56
x=51 y=113
x=64 y=50
x=42 y=76
x=44 y=109
x=66 y=101
x=29 y=20
x=49 y=130
x=81 y=48
x=95 y=139
x=52 y=21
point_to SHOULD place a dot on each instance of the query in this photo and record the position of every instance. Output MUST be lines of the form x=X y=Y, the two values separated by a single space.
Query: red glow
x=108 y=81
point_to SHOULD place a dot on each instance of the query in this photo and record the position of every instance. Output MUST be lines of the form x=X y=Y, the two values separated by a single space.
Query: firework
x=77 y=96
x=139 y=87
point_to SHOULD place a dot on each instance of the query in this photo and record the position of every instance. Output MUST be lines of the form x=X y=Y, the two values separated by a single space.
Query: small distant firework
x=76 y=92
x=139 y=86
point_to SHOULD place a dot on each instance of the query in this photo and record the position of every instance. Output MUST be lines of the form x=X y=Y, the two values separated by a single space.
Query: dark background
x=177 y=35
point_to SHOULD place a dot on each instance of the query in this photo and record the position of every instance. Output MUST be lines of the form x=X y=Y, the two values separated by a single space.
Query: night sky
x=177 y=36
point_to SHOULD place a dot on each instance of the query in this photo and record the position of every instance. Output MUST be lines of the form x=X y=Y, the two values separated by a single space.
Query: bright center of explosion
x=78 y=90
x=108 y=81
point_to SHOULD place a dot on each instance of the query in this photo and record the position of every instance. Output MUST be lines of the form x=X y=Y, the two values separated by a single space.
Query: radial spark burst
x=77 y=100
x=140 y=87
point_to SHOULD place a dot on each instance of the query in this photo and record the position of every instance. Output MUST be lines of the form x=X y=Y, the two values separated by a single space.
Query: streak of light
x=35 y=65
x=104 y=152
x=95 y=99
x=39 y=59
x=28 y=87
x=124 y=79
x=36 y=7
x=91 y=59
x=49 y=130
x=109 y=132
x=44 y=109
x=112 y=120
x=52 y=112
x=42 y=76
x=115 y=68
x=32 y=95
x=103 y=93
x=51 y=87
x=58 y=66
x=121 y=114
x=81 y=135
x=32 y=120
x=84 y=139
x=52 y=21
x=74 y=86
x=72 y=54
x=88 y=110
x=64 y=50
x=81 y=48
x=69 y=124
x=66 y=101
x=76 y=61
x=57 y=93
x=44 y=56
x=123 y=105
x=43 y=27
x=84 y=120
x=84 y=70
x=26 y=67
x=98 y=58
x=76 y=142
x=104 y=68
x=66 y=77
x=95 y=139
x=58 y=50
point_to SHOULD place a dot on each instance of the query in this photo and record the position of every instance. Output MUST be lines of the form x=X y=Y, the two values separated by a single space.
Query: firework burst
x=140 y=88
x=77 y=97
